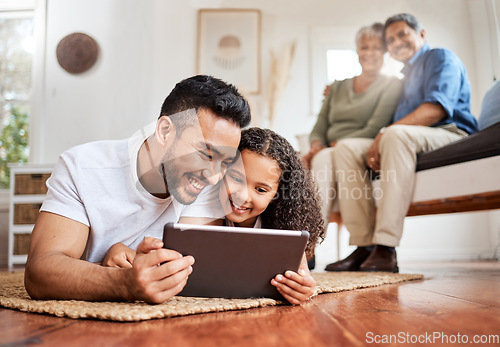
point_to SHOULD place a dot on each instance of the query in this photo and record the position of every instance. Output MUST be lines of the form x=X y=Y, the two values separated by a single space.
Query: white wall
x=148 y=46
x=145 y=48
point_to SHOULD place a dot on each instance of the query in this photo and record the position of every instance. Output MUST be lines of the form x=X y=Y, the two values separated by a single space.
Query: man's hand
x=55 y=270
x=372 y=156
x=426 y=114
x=157 y=273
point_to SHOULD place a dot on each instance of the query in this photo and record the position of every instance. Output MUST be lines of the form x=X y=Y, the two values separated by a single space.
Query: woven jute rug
x=14 y=296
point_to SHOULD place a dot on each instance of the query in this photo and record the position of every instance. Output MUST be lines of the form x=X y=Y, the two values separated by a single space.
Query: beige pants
x=323 y=171
x=398 y=149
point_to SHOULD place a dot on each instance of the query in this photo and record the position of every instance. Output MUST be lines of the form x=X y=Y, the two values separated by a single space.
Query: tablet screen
x=233 y=262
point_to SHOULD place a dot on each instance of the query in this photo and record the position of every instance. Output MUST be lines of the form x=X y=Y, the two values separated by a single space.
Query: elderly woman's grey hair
x=374 y=30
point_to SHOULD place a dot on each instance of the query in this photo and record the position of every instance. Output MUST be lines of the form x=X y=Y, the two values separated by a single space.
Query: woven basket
x=30 y=184
x=26 y=213
x=21 y=244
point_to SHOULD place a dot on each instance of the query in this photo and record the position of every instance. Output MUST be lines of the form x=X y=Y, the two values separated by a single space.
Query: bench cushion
x=483 y=144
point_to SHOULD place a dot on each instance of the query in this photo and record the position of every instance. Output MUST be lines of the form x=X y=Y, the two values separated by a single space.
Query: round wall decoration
x=77 y=52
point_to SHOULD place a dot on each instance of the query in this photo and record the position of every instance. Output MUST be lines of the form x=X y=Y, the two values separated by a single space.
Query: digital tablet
x=233 y=262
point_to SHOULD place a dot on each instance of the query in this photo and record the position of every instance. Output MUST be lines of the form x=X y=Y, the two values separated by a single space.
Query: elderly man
x=433 y=111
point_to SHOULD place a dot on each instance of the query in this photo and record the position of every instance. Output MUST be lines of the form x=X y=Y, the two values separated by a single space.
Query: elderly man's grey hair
x=409 y=19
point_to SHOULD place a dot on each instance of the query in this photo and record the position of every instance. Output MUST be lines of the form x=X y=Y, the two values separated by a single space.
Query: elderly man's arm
x=426 y=114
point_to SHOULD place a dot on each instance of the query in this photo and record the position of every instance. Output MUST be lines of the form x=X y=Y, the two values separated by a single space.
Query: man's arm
x=426 y=114
x=54 y=269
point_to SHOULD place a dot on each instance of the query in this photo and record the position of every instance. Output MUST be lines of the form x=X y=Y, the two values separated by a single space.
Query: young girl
x=267 y=187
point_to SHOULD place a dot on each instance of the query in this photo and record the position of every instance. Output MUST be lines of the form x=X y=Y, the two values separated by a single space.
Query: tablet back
x=233 y=262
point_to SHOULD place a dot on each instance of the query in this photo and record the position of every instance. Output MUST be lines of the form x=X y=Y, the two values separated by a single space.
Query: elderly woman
x=354 y=107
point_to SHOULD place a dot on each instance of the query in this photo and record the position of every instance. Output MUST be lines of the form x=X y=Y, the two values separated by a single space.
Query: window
x=333 y=57
x=343 y=63
x=16 y=61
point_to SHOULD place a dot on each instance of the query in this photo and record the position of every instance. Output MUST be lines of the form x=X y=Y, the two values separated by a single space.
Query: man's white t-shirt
x=96 y=184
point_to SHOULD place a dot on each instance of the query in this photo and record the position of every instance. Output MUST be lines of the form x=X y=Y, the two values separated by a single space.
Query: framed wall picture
x=229 y=46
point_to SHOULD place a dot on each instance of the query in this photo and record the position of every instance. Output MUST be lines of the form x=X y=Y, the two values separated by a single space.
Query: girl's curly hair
x=296 y=205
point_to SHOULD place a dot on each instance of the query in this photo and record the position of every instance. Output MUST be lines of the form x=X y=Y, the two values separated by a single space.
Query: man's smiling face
x=200 y=156
x=402 y=41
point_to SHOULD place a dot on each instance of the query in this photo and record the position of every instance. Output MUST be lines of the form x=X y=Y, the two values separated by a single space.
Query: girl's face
x=248 y=187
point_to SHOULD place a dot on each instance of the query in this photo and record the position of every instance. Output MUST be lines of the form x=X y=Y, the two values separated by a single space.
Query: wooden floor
x=457 y=302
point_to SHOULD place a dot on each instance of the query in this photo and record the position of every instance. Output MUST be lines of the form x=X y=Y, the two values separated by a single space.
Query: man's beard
x=173 y=177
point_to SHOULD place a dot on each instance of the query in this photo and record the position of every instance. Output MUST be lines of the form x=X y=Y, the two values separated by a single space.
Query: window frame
x=39 y=8
x=322 y=40
x=328 y=38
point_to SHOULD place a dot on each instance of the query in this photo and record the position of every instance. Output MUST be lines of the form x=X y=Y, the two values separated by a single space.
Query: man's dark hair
x=409 y=19
x=209 y=93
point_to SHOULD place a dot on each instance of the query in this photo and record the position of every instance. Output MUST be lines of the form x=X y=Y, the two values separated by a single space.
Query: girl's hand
x=120 y=256
x=295 y=287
